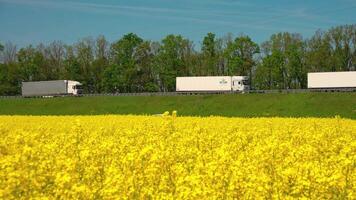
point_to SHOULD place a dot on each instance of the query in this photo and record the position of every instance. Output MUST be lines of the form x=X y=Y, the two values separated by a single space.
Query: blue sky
x=26 y=22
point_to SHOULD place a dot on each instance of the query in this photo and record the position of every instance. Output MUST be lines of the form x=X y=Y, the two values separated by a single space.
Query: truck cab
x=74 y=87
x=240 y=83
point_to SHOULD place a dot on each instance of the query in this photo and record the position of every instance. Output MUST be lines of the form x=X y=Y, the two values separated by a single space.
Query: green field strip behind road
x=238 y=105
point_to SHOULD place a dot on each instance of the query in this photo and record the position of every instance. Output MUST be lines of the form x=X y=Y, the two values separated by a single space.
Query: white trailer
x=212 y=83
x=51 y=88
x=332 y=80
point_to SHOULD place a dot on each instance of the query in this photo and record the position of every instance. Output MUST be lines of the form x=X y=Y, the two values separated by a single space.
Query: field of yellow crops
x=169 y=157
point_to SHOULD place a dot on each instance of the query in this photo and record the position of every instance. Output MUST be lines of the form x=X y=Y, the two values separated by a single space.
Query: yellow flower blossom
x=171 y=157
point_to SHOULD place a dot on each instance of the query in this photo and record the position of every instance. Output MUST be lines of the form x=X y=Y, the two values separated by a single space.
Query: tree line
x=132 y=64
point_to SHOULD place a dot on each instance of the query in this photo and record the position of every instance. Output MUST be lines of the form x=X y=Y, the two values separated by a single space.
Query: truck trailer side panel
x=42 y=88
x=201 y=84
x=332 y=80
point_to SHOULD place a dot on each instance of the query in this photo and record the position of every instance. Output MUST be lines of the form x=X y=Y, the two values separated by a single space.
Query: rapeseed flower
x=171 y=157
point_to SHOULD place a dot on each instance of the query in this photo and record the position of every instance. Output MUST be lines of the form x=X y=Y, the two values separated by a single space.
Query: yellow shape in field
x=170 y=157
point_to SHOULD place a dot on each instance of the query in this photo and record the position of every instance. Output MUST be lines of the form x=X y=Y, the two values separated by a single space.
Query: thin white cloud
x=134 y=11
x=86 y=5
x=252 y=19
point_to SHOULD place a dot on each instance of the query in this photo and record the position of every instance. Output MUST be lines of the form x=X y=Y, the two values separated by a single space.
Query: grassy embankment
x=248 y=105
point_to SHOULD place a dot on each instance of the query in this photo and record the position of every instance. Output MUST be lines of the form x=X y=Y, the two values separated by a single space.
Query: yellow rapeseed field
x=169 y=157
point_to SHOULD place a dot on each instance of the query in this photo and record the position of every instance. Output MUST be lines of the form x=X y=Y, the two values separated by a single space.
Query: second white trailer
x=212 y=83
x=325 y=80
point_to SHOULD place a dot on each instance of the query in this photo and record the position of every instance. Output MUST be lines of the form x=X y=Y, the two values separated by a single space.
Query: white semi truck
x=51 y=88
x=332 y=80
x=212 y=84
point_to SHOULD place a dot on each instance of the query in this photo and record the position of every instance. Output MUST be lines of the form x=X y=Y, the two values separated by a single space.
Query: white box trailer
x=330 y=80
x=51 y=88
x=212 y=83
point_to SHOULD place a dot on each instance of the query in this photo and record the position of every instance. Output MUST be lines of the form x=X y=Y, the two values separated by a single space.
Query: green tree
x=100 y=63
x=267 y=75
x=54 y=55
x=9 y=53
x=73 y=70
x=240 y=56
x=145 y=74
x=341 y=42
x=9 y=72
x=84 y=50
x=284 y=52
x=173 y=60
x=209 y=55
x=10 y=79
x=31 y=63
x=119 y=77
x=319 y=52
x=332 y=50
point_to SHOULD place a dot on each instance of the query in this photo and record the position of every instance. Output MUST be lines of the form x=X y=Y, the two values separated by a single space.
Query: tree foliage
x=132 y=64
